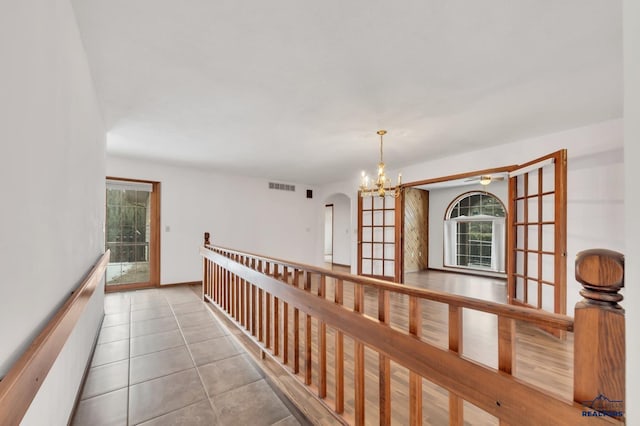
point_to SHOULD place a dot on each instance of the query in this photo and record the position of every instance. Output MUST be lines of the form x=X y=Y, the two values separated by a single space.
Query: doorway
x=534 y=257
x=328 y=233
x=337 y=230
x=132 y=233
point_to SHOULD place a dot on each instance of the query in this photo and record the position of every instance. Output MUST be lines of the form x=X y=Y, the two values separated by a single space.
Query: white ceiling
x=295 y=91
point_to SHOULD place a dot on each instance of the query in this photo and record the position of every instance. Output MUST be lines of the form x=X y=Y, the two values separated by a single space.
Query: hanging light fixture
x=382 y=185
x=485 y=180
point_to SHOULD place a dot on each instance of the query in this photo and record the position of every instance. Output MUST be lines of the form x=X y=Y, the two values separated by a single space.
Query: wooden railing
x=260 y=293
x=21 y=384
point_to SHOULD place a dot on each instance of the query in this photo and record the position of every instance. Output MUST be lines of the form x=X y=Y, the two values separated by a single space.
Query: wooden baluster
x=307 y=336
x=229 y=289
x=285 y=324
x=339 y=353
x=358 y=370
x=276 y=318
x=216 y=277
x=254 y=310
x=234 y=296
x=237 y=294
x=226 y=289
x=415 y=381
x=219 y=285
x=267 y=319
x=260 y=307
x=230 y=295
x=322 y=344
x=599 y=333
x=296 y=329
x=384 y=363
x=247 y=300
x=456 y=404
x=241 y=298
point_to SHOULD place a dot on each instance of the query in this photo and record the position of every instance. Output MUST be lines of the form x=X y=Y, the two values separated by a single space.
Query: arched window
x=474 y=232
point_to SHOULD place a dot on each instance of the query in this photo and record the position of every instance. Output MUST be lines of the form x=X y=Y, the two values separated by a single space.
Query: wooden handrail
x=21 y=384
x=538 y=317
x=251 y=290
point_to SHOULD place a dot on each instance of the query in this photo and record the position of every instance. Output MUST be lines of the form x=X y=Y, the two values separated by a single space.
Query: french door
x=537 y=238
x=377 y=236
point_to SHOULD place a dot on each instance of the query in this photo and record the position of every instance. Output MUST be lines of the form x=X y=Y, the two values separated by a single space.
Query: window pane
x=366 y=218
x=473 y=238
x=377 y=218
x=548 y=208
x=532 y=292
x=389 y=234
x=389 y=268
x=377 y=251
x=367 y=203
x=389 y=251
x=127 y=236
x=377 y=267
x=548 y=176
x=533 y=182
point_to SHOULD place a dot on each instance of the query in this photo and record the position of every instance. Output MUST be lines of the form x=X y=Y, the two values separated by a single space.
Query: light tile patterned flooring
x=162 y=358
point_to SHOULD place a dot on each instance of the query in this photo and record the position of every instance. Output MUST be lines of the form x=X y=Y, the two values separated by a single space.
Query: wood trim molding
x=460 y=176
x=21 y=384
x=182 y=284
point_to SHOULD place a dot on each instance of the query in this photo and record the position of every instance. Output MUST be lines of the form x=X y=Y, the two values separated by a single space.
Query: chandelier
x=382 y=185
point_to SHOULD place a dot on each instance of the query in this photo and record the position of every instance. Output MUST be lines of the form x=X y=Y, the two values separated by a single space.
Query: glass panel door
x=536 y=273
x=376 y=237
x=129 y=233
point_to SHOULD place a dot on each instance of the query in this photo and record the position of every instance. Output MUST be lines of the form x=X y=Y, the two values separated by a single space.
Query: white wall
x=341 y=228
x=595 y=185
x=631 y=27
x=52 y=174
x=239 y=212
x=439 y=200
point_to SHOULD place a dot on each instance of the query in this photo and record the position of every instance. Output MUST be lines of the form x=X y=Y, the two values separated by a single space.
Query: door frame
x=154 y=243
x=400 y=228
x=560 y=231
x=332 y=227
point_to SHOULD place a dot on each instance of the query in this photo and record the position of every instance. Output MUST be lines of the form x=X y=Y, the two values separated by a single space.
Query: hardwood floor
x=541 y=360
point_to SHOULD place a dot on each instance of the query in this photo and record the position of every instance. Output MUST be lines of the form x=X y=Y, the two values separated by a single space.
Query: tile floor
x=162 y=358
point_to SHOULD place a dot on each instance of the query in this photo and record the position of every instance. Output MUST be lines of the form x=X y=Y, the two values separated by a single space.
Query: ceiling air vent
x=282 y=186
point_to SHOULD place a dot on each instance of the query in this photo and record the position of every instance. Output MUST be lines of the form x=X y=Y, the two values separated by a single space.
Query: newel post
x=599 y=331
x=205 y=270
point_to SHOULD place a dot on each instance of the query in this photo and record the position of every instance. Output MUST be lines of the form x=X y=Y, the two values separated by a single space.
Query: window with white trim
x=474 y=232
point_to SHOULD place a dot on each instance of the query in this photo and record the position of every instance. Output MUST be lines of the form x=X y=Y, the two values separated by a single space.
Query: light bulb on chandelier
x=382 y=186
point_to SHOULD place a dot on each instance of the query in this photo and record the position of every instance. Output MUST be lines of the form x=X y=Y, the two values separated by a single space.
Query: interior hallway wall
x=240 y=212
x=52 y=174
